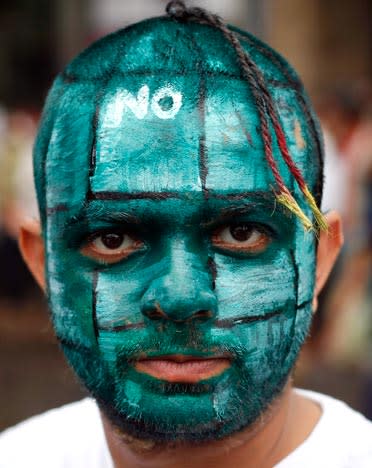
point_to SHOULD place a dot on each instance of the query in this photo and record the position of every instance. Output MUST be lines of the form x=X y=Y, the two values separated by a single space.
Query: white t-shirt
x=72 y=437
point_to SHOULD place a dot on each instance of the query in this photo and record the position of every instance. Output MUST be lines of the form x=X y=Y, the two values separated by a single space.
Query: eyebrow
x=230 y=212
x=91 y=212
x=250 y=201
x=248 y=205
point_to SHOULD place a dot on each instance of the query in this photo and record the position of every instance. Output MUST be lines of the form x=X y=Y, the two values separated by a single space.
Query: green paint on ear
x=153 y=133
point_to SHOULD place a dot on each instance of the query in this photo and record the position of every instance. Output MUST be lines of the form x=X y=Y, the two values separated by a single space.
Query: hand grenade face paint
x=165 y=240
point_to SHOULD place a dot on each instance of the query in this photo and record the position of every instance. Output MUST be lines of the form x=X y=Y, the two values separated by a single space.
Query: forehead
x=188 y=133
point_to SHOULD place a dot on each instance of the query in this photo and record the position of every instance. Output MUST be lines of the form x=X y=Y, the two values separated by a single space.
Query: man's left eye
x=241 y=237
x=111 y=247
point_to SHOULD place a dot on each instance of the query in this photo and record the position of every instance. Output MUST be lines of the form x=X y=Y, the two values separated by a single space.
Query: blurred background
x=329 y=43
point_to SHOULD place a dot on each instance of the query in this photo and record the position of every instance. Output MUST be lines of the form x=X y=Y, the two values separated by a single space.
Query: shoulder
x=71 y=435
x=342 y=438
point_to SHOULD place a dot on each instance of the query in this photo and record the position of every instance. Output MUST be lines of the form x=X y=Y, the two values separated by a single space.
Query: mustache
x=139 y=348
x=197 y=348
x=218 y=323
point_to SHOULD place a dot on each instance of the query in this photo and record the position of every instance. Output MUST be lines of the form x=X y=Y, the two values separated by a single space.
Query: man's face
x=164 y=243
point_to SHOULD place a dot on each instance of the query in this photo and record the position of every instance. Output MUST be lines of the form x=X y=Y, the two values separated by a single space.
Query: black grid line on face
x=213 y=271
x=232 y=322
x=222 y=323
x=296 y=275
x=203 y=157
x=68 y=78
x=56 y=209
x=95 y=120
x=106 y=195
x=44 y=159
x=66 y=342
x=93 y=151
x=124 y=327
x=94 y=303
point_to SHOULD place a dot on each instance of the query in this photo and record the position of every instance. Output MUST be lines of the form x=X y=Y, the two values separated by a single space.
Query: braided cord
x=264 y=103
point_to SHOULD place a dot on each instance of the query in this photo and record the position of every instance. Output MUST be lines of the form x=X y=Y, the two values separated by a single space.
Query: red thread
x=282 y=143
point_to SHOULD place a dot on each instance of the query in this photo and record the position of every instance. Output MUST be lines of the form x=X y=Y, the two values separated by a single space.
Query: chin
x=193 y=418
x=153 y=410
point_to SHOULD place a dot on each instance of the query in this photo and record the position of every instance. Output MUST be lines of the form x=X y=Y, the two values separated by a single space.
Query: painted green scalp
x=151 y=136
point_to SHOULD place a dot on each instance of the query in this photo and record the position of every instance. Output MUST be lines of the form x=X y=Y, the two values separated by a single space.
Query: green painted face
x=163 y=237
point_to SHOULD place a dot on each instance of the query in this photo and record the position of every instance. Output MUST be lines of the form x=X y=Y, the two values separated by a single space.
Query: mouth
x=183 y=368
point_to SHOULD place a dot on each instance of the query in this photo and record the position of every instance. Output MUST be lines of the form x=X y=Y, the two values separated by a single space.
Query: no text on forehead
x=164 y=102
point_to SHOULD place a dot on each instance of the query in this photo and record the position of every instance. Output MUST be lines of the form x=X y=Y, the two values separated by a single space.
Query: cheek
x=118 y=296
x=262 y=293
x=255 y=286
x=70 y=292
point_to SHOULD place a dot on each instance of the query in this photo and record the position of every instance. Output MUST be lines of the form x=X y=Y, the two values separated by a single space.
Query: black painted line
x=296 y=275
x=44 y=182
x=203 y=168
x=229 y=323
x=119 y=328
x=56 y=209
x=132 y=196
x=108 y=75
x=68 y=78
x=243 y=195
x=93 y=151
x=213 y=271
x=94 y=304
x=175 y=195
x=73 y=345
x=304 y=304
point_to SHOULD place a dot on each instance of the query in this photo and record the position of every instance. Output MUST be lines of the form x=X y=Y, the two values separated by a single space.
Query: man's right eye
x=111 y=246
x=242 y=237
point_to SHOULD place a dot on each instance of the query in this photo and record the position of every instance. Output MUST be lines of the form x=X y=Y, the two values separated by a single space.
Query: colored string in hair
x=177 y=10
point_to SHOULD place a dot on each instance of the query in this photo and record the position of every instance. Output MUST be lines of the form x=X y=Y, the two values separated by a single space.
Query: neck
x=287 y=423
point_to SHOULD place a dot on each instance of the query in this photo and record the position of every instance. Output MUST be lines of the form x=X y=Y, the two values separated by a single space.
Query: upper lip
x=184 y=357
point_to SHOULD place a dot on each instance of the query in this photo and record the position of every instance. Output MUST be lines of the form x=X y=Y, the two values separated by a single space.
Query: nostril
x=202 y=314
x=155 y=314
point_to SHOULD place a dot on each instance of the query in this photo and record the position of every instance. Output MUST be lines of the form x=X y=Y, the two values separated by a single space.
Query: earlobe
x=329 y=246
x=32 y=249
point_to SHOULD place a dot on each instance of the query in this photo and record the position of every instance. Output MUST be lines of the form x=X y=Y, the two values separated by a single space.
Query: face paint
x=169 y=169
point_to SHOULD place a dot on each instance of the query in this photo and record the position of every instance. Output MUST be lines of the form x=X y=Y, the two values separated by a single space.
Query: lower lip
x=188 y=371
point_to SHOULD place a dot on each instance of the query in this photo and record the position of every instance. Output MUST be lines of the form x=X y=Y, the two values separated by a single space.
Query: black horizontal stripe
x=56 y=209
x=68 y=78
x=119 y=328
x=229 y=323
x=132 y=196
x=66 y=342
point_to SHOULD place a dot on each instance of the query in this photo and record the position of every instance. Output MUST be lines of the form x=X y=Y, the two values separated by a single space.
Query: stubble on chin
x=117 y=435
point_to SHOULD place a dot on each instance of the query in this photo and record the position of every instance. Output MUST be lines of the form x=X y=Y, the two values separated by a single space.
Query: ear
x=329 y=246
x=32 y=249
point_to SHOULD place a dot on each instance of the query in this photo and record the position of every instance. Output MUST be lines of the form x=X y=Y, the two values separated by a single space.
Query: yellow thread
x=319 y=217
x=300 y=142
x=287 y=200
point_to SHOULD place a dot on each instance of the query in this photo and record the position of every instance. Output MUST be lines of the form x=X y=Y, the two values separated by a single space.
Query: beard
x=147 y=432
x=144 y=408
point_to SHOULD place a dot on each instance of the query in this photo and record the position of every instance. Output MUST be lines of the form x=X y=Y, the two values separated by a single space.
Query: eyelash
x=242 y=245
x=237 y=246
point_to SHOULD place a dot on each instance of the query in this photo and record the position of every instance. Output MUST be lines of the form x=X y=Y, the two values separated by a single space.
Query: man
x=174 y=167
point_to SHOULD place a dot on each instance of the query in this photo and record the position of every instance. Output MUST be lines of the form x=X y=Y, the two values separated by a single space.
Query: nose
x=184 y=293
